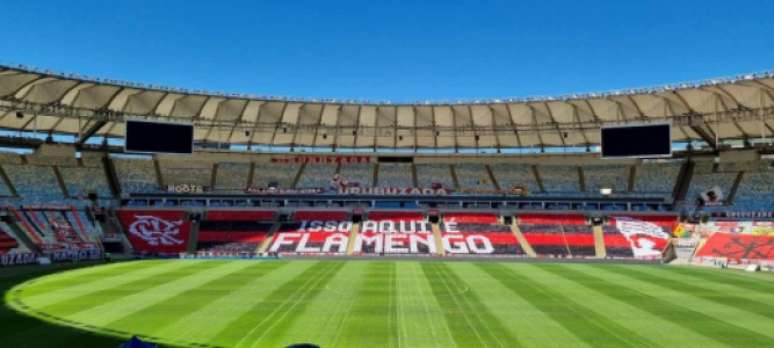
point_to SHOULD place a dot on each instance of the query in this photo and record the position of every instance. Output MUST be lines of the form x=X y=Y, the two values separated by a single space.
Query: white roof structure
x=737 y=108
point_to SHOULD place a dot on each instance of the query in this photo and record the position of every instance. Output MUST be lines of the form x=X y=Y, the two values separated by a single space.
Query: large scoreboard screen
x=158 y=137
x=647 y=140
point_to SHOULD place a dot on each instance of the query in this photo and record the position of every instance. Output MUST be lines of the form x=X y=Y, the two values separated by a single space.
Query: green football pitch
x=393 y=304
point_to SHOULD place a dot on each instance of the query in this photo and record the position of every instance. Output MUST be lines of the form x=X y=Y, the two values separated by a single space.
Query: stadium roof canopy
x=722 y=109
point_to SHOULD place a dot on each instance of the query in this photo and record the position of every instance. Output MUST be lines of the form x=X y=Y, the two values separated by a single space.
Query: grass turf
x=388 y=304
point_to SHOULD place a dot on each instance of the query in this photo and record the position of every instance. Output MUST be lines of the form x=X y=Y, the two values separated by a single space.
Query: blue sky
x=393 y=50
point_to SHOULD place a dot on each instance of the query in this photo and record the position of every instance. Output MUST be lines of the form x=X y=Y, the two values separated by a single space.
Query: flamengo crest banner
x=643 y=236
x=156 y=231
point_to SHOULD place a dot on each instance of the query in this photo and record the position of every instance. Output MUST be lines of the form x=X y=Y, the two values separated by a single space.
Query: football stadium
x=140 y=215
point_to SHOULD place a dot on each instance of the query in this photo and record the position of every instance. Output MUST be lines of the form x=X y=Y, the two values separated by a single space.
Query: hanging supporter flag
x=162 y=232
x=646 y=238
x=713 y=196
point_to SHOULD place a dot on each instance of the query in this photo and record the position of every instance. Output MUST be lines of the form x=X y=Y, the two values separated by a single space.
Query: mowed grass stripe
x=40 y=294
x=276 y=312
x=533 y=327
x=680 y=316
x=66 y=301
x=720 y=297
x=470 y=323
x=156 y=318
x=83 y=276
x=633 y=318
x=199 y=326
x=166 y=289
x=324 y=319
x=725 y=277
x=589 y=326
x=374 y=313
x=420 y=317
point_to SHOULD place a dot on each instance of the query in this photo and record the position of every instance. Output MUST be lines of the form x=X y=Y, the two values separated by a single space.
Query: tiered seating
x=313 y=232
x=580 y=239
x=704 y=179
x=558 y=235
x=395 y=175
x=317 y=175
x=52 y=230
x=186 y=173
x=429 y=174
x=5 y=191
x=232 y=177
x=560 y=180
x=361 y=173
x=483 y=233
x=34 y=182
x=395 y=232
x=657 y=179
x=136 y=175
x=738 y=247
x=8 y=241
x=234 y=231
x=755 y=190
x=280 y=174
x=80 y=181
x=510 y=175
x=473 y=176
x=615 y=177
x=616 y=245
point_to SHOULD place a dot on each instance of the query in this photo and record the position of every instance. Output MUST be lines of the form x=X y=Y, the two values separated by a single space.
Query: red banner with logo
x=158 y=232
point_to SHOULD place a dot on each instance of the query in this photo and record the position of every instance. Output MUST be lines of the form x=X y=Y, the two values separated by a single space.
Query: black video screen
x=637 y=141
x=143 y=136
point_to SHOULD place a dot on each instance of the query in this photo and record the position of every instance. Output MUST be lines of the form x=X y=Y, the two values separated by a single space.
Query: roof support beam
x=703 y=130
x=514 y=126
x=90 y=132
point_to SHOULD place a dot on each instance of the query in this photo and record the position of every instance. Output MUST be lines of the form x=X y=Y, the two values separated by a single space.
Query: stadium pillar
x=112 y=176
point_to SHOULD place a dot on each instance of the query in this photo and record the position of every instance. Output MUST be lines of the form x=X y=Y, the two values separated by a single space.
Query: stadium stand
x=429 y=174
x=231 y=177
x=185 y=172
x=275 y=174
x=53 y=230
x=738 y=247
x=359 y=173
x=9 y=242
x=754 y=192
x=136 y=175
x=313 y=232
x=234 y=231
x=616 y=245
x=395 y=232
x=81 y=181
x=546 y=234
x=615 y=177
x=648 y=235
x=317 y=175
x=473 y=176
x=707 y=177
x=395 y=175
x=35 y=183
x=560 y=180
x=657 y=179
x=478 y=233
x=510 y=175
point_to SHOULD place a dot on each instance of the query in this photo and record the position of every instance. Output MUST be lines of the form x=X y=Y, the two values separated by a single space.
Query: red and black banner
x=156 y=231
